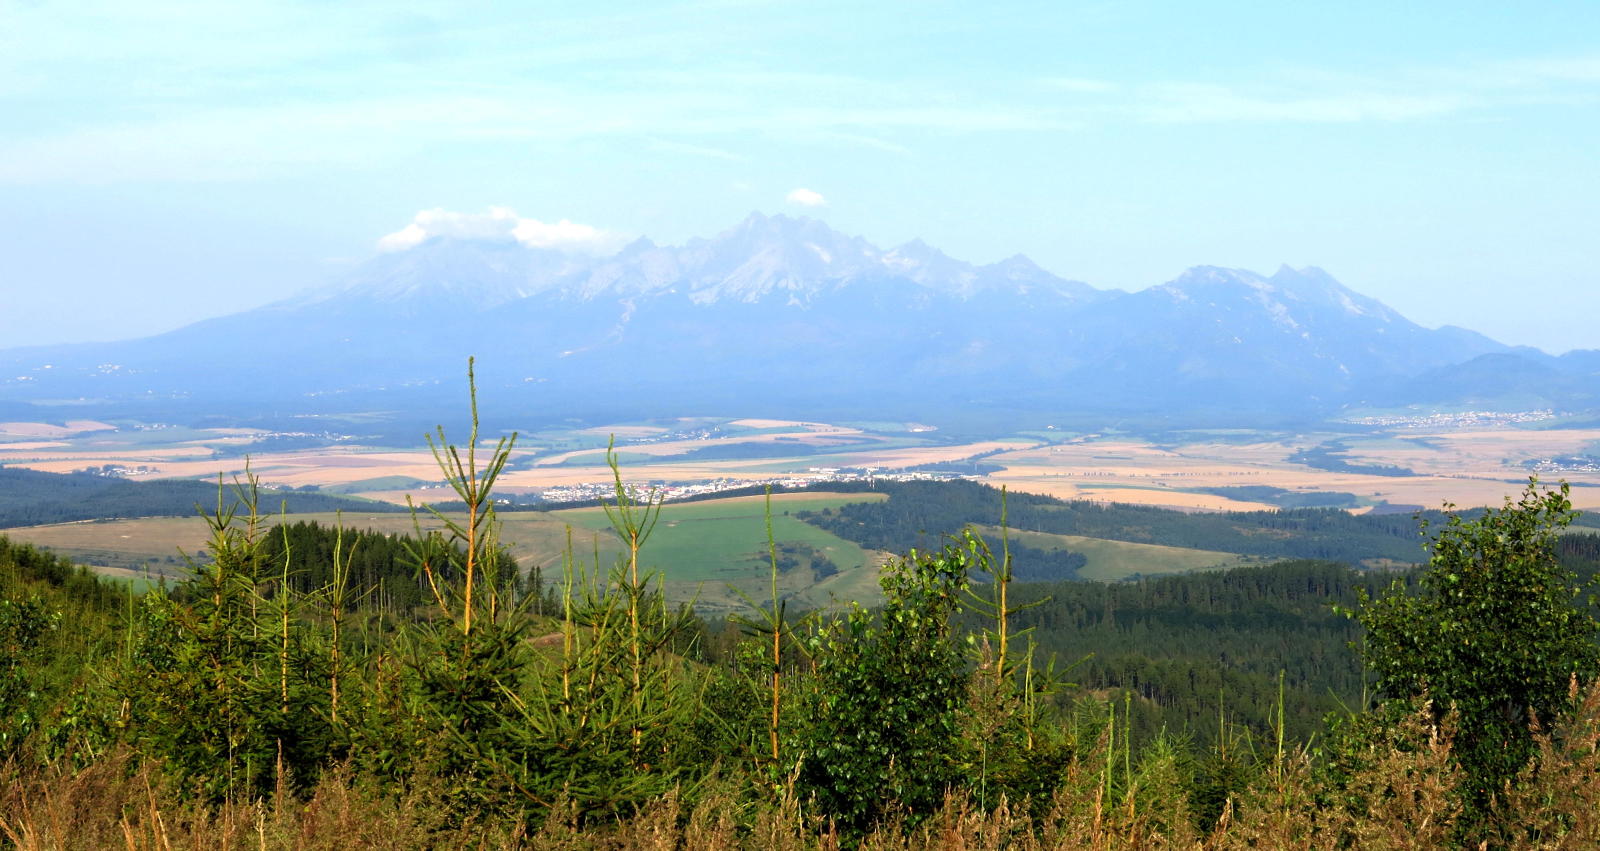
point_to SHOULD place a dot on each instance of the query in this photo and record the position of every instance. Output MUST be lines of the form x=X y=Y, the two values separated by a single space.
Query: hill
x=32 y=498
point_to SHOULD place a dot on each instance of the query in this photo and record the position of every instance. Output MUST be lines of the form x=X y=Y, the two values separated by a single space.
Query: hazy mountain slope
x=774 y=315
x=1229 y=336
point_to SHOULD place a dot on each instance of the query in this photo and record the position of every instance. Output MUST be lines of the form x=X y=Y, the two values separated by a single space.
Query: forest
x=308 y=686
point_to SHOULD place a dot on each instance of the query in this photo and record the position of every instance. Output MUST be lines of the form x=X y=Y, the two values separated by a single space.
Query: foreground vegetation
x=289 y=694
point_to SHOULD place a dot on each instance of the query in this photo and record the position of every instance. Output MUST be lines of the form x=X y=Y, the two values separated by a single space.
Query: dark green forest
x=1205 y=649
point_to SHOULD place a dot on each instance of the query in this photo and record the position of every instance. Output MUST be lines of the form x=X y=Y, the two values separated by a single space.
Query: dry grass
x=1402 y=798
x=1557 y=801
x=114 y=803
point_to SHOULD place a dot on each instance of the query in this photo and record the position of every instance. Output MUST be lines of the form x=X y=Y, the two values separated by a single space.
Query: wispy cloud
x=696 y=150
x=1212 y=103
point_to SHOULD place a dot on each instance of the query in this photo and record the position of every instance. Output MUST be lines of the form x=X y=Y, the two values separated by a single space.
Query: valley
x=1422 y=462
x=712 y=551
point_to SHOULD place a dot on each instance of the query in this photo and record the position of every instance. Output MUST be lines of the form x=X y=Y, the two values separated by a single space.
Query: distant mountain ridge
x=786 y=316
x=758 y=258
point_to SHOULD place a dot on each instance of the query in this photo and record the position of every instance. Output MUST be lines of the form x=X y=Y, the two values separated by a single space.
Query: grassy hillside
x=700 y=548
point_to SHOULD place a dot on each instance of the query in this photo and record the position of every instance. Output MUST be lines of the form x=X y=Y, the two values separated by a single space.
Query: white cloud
x=806 y=198
x=565 y=234
x=502 y=223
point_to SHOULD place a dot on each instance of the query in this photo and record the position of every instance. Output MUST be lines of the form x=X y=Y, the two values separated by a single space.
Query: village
x=675 y=491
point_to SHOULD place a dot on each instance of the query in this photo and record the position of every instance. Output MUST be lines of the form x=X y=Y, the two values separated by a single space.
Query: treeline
x=917 y=514
x=33 y=498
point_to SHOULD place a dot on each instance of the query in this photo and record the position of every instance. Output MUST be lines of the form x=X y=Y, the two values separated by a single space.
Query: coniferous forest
x=309 y=686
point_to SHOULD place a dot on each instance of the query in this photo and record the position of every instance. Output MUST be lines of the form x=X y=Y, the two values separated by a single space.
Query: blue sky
x=163 y=162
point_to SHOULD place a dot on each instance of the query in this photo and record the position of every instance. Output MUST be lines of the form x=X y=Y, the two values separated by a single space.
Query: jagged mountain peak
x=761 y=229
x=1315 y=286
x=918 y=261
x=918 y=252
x=797 y=257
x=1309 y=288
x=476 y=273
x=637 y=247
x=1207 y=282
x=764 y=254
x=1019 y=274
x=1017 y=267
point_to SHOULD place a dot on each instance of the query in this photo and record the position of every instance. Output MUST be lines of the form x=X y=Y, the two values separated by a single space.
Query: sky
x=165 y=162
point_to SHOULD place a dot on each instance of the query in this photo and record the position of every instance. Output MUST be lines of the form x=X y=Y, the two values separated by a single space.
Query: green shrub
x=881 y=725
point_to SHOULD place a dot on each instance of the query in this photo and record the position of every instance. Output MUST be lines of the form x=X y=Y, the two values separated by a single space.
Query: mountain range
x=786 y=316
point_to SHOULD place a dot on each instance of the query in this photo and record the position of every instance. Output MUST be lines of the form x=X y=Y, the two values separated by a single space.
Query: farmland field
x=1464 y=459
